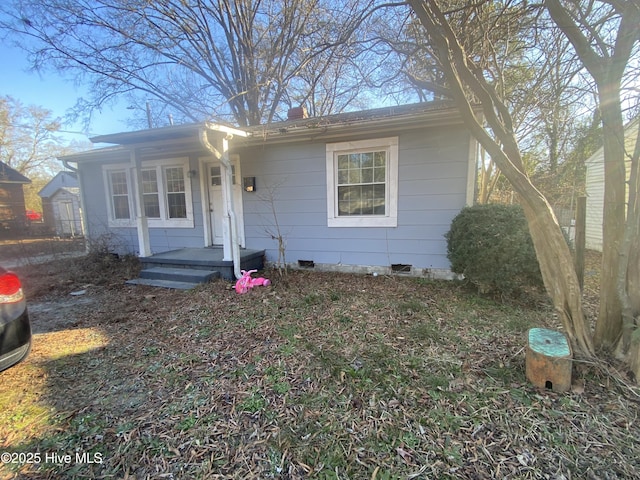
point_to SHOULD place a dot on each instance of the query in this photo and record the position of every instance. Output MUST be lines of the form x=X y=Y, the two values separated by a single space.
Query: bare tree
x=235 y=60
x=606 y=36
x=30 y=142
x=468 y=83
x=272 y=227
x=532 y=68
x=29 y=138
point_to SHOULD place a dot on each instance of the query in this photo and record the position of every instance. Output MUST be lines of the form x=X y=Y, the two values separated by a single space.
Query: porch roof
x=176 y=133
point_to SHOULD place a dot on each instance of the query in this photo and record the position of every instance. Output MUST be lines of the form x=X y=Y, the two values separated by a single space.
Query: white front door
x=216 y=201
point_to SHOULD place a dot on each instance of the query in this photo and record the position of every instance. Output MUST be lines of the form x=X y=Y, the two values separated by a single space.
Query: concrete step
x=178 y=278
x=189 y=275
x=163 y=283
x=148 y=263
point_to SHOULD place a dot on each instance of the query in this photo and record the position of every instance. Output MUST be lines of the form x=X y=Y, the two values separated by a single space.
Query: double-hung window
x=164 y=191
x=176 y=192
x=119 y=193
x=362 y=183
x=150 y=193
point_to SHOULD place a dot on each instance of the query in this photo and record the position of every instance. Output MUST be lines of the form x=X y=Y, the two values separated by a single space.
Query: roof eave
x=310 y=129
x=20 y=182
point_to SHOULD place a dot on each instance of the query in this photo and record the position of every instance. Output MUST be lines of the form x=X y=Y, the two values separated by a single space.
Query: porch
x=187 y=267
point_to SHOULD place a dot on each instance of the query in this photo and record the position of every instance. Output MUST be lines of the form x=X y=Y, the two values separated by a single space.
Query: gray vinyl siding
x=94 y=203
x=433 y=166
x=125 y=239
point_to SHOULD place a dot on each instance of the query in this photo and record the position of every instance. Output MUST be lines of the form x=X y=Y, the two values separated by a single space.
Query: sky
x=54 y=93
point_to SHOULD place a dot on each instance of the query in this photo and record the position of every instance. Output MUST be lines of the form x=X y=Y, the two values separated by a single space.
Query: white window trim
x=106 y=176
x=159 y=165
x=164 y=220
x=390 y=219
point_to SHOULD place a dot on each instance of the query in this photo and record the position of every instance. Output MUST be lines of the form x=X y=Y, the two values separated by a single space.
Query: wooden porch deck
x=205 y=257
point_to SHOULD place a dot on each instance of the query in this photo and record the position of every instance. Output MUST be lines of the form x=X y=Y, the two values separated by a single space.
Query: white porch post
x=231 y=237
x=226 y=205
x=142 y=225
x=230 y=244
x=205 y=179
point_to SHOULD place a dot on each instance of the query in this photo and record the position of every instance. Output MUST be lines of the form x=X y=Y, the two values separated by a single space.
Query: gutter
x=228 y=193
x=349 y=124
x=67 y=166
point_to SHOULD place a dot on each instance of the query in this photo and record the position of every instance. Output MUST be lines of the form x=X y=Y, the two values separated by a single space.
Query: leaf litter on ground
x=321 y=375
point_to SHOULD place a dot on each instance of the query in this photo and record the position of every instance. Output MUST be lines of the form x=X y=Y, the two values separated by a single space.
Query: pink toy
x=245 y=282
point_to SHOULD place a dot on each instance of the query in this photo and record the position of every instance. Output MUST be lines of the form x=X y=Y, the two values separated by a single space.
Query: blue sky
x=52 y=92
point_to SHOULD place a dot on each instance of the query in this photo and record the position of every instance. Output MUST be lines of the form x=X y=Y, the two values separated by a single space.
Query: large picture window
x=362 y=182
x=165 y=194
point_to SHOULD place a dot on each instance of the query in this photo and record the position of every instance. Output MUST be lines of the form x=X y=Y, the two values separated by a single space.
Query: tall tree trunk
x=630 y=343
x=629 y=264
x=556 y=263
x=609 y=324
x=605 y=46
x=552 y=251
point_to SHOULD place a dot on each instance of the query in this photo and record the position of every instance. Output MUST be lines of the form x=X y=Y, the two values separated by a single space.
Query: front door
x=216 y=202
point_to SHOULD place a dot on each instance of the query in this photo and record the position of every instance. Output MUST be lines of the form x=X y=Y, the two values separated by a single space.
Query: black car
x=15 y=330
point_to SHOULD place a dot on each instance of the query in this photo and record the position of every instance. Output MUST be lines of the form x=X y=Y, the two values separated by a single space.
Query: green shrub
x=491 y=246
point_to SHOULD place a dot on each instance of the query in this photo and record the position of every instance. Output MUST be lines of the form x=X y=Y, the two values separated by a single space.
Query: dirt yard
x=317 y=376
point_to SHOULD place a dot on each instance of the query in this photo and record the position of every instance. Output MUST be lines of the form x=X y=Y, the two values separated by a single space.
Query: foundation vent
x=400 y=268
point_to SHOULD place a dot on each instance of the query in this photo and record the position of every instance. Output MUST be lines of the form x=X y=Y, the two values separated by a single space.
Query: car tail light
x=10 y=288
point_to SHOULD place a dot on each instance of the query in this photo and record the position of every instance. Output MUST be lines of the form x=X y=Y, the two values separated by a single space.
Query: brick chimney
x=297 y=113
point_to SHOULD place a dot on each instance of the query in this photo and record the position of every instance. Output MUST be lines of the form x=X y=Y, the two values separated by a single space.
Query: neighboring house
x=12 y=207
x=61 y=205
x=595 y=187
x=365 y=191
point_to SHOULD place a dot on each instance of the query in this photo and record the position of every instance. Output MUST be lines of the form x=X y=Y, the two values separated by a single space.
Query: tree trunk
x=605 y=47
x=629 y=267
x=632 y=313
x=609 y=323
x=488 y=178
x=554 y=257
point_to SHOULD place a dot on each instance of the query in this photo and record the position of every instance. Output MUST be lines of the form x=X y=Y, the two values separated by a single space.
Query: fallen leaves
x=325 y=377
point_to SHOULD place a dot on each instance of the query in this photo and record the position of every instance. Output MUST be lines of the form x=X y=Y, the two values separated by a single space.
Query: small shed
x=61 y=205
x=595 y=187
x=12 y=208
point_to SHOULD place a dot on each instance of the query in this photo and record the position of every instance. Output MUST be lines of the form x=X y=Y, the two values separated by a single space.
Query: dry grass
x=324 y=376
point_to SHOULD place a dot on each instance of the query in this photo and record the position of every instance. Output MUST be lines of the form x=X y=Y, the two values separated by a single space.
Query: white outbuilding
x=595 y=187
x=61 y=205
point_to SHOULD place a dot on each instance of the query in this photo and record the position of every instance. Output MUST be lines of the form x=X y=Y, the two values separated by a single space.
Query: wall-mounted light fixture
x=249 y=184
x=192 y=173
